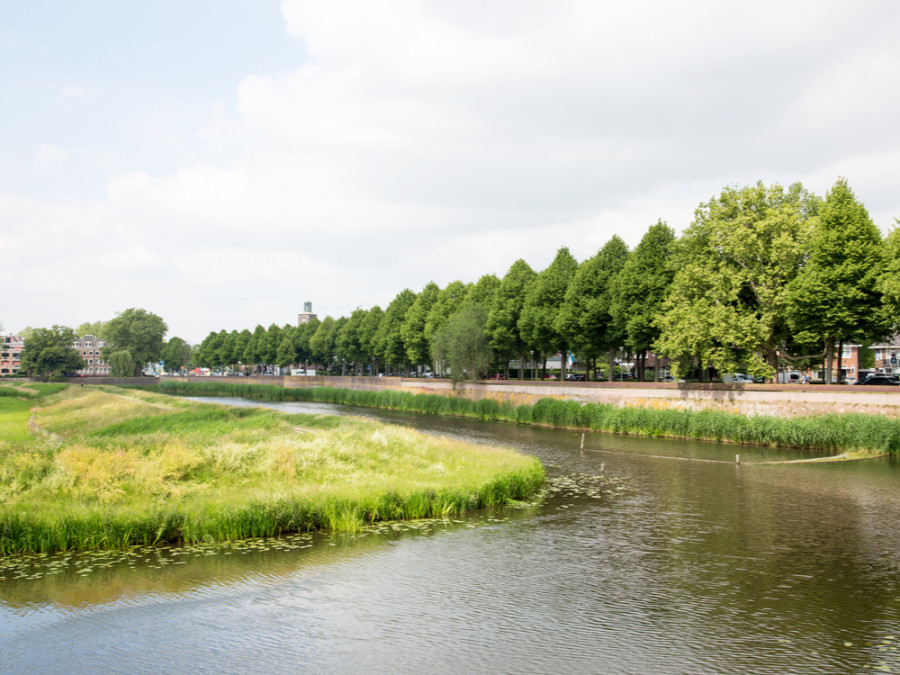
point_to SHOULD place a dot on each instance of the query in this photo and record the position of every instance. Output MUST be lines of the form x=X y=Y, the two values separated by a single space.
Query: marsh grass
x=135 y=467
x=860 y=433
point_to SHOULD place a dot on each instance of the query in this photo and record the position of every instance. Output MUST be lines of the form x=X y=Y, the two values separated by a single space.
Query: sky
x=220 y=162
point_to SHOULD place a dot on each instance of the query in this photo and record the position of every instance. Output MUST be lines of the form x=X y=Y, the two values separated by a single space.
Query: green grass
x=118 y=468
x=874 y=434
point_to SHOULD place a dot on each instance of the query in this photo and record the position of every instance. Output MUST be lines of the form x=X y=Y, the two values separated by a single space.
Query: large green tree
x=462 y=342
x=389 y=338
x=727 y=305
x=253 y=352
x=349 y=340
x=301 y=337
x=545 y=296
x=176 y=354
x=368 y=337
x=836 y=298
x=287 y=353
x=640 y=290
x=889 y=284
x=503 y=317
x=413 y=329
x=137 y=331
x=48 y=352
x=207 y=350
x=322 y=343
x=585 y=317
x=121 y=364
x=269 y=345
x=448 y=301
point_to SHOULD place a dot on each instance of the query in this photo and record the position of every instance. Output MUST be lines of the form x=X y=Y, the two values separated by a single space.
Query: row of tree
x=762 y=275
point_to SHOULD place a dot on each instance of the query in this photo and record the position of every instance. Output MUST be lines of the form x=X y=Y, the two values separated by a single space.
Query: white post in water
x=582 y=443
x=737 y=460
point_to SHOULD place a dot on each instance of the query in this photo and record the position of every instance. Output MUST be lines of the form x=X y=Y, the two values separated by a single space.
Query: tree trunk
x=772 y=360
x=840 y=354
x=611 y=358
x=829 y=360
x=562 y=362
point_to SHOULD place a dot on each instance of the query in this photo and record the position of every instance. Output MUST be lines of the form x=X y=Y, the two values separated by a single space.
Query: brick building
x=887 y=355
x=89 y=348
x=11 y=354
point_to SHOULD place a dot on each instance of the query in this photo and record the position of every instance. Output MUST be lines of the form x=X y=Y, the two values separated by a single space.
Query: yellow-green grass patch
x=137 y=468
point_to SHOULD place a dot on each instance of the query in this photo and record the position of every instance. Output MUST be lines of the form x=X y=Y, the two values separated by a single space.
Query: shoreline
x=874 y=435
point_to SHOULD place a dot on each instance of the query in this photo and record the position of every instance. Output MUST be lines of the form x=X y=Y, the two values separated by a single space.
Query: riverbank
x=835 y=433
x=113 y=468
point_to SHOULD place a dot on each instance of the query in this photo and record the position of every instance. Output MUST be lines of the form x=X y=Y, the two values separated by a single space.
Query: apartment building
x=11 y=354
x=89 y=348
x=887 y=355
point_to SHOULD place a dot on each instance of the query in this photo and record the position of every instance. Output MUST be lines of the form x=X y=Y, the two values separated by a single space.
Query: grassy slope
x=118 y=467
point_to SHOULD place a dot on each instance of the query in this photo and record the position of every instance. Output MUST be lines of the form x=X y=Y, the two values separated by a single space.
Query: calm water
x=659 y=565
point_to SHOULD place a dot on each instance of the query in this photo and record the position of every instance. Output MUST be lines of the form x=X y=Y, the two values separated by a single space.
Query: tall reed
x=837 y=432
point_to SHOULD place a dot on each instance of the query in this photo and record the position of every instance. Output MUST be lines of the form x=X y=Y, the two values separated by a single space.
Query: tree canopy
x=505 y=311
x=48 y=352
x=585 y=317
x=727 y=303
x=138 y=332
x=463 y=343
x=543 y=300
x=836 y=297
x=176 y=354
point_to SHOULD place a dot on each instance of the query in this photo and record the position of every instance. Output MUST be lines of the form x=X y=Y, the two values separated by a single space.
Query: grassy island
x=101 y=467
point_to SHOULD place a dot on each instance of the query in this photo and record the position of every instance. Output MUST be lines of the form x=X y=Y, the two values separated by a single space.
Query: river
x=645 y=558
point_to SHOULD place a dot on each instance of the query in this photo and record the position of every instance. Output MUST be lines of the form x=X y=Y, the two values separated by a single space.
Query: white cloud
x=434 y=140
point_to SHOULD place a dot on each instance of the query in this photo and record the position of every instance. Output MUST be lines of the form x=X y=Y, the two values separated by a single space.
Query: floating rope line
x=737 y=460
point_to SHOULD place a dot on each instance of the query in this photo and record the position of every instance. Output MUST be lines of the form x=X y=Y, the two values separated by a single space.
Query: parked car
x=575 y=377
x=496 y=376
x=880 y=380
x=737 y=378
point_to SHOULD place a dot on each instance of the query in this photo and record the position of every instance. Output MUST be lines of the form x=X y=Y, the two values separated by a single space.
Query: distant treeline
x=764 y=276
x=832 y=433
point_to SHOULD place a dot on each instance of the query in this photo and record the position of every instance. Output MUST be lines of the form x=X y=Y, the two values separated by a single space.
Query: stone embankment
x=788 y=400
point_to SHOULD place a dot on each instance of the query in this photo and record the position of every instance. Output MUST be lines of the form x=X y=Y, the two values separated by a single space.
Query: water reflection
x=633 y=564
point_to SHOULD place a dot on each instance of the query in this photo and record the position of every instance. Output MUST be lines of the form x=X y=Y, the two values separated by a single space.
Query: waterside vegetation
x=101 y=467
x=838 y=433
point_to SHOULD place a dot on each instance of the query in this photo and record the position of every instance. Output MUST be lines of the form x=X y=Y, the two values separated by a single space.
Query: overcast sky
x=219 y=162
